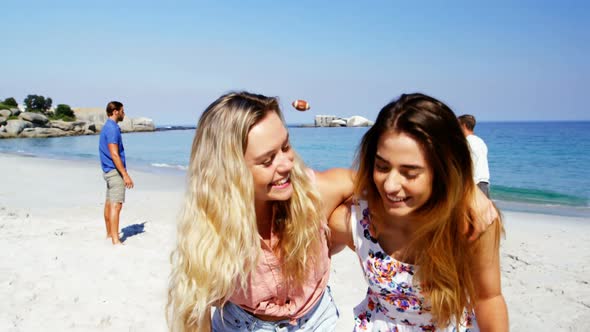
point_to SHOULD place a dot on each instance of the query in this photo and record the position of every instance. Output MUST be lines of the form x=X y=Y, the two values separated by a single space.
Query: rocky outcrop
x=358 y=121
x=62 y=125
x=143 y=124
x=15 y=127
x=36 y=118
x=89 y=121
x=338 y=123
x=137 y=124
x=15 y=111
x=96 y=115
x=334 y=121
x=41 y=132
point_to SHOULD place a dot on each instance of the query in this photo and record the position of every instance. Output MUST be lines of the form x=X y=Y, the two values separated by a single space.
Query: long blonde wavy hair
x=442 y=254
x=218 y=243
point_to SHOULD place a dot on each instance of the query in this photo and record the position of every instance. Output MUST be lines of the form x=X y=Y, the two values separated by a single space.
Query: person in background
x=114 y=167
x=413 y=186
x=479 y=153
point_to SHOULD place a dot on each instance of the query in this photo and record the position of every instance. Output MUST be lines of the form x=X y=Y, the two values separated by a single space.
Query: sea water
x=534 y=166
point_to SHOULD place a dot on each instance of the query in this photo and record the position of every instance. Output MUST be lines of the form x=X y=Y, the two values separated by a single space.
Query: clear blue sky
x=499 y=60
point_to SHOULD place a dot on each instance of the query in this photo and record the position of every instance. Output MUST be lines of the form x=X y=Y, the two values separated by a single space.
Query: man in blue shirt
x=112 y=161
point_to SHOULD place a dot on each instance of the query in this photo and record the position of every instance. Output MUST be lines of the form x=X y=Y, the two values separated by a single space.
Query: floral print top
x=394 y=301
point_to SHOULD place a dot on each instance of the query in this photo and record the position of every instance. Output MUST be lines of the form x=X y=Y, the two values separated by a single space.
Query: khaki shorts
x=115 y=186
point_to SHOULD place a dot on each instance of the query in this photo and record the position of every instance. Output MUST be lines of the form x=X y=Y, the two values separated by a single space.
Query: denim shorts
x=322 y=317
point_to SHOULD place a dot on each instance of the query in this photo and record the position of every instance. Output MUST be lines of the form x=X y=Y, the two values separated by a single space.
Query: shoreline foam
x=516 y=205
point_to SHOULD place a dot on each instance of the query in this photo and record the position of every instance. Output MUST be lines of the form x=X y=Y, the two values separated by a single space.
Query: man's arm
x=114 y=150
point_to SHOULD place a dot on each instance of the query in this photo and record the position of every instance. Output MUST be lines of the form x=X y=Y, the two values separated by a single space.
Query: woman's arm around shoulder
x=484 y=215
x=340 y=228
x=335 y=186
x=490 y=309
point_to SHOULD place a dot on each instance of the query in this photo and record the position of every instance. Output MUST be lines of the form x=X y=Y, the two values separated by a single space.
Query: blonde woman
x=252 y=234
x=252 y=238
x=415 y=184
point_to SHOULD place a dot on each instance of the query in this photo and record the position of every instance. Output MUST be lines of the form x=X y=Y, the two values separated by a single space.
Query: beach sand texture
x=58 y=272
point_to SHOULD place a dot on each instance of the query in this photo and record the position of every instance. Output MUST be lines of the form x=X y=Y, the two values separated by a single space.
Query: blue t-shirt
x=110 y=133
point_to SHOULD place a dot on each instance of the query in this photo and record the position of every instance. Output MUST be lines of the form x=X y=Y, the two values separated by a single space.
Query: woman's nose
x=285 y=162
x=393 y=182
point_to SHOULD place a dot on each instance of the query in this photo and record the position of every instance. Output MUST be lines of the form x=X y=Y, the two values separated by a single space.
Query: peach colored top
x=268 y=293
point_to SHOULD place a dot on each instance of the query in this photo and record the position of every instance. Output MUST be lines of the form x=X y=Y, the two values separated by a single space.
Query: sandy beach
x=58 y=272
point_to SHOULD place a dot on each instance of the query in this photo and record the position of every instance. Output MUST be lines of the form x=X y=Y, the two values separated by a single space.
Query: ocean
x=541 y=167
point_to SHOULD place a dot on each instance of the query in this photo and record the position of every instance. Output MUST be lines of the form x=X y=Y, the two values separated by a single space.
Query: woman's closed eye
x=411 y=175
x=382 y=167
x=268 y=162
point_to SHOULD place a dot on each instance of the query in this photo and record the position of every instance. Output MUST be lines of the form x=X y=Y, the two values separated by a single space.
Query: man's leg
x=107 y=216
x=115 y=210
x=115 y=199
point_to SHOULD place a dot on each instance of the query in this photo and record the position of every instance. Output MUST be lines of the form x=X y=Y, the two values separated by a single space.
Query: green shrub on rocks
x=35 y=103
x=63 y=112
x=10 y=102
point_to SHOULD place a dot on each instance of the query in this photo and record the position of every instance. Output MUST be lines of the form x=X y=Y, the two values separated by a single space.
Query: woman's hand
x=484 y=214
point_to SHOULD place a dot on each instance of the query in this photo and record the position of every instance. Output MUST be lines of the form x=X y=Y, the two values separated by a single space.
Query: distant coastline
x=20 y=123
x=192 y=127
x=174 y=127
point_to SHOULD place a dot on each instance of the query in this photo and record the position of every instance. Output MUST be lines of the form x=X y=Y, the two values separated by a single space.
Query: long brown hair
x=438 y=247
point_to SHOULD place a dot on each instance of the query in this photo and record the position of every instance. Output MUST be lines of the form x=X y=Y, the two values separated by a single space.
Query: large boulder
x=5 y=113
x=42 y=132
x=90 y=128
x=136 y=124
x=358 y=121
x=63 y=125
x=143 y=124
x=15 y=111
x=35 y=118
x=3 y=120
x=96 y=115
x=15 y=127
x=126 y=125
x=338 y=123
x=79 y=126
